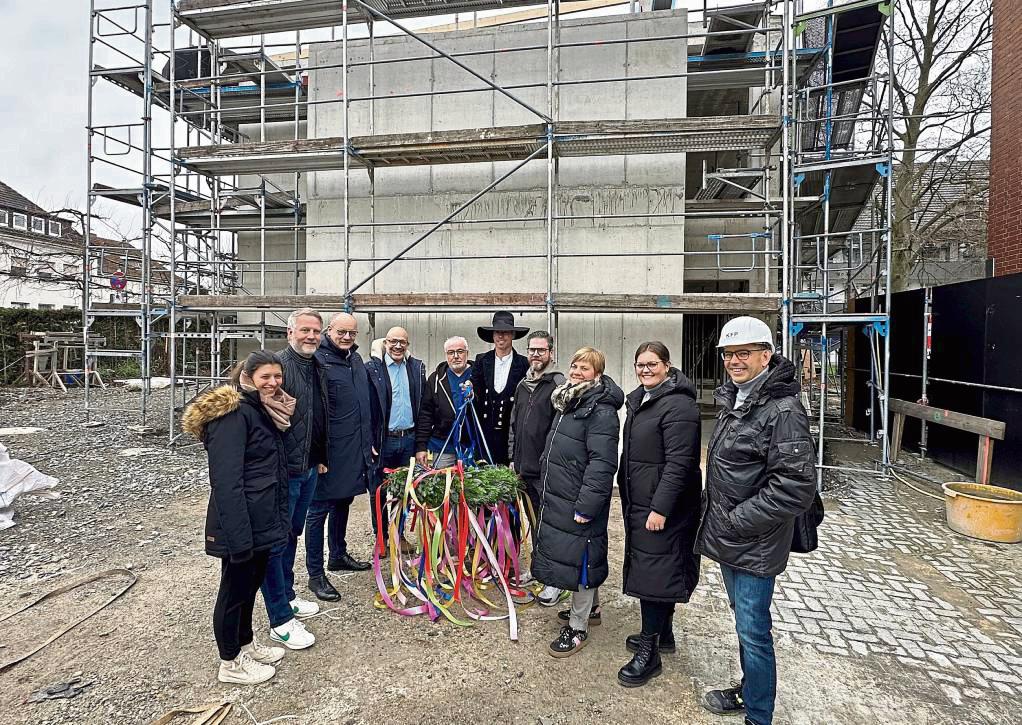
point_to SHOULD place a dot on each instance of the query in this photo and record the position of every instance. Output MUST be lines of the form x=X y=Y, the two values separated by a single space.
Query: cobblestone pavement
x=896 y=618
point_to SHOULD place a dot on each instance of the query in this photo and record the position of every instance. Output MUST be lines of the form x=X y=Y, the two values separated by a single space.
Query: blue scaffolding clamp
x=882 y=327
x=794 y=328
x=883 y=169
x=797 y=180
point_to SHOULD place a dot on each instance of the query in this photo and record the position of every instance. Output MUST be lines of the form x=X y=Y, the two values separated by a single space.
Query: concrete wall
x=586 y=186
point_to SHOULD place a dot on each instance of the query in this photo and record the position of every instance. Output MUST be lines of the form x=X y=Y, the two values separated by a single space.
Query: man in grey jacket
x=305 y=445
x=759 y=478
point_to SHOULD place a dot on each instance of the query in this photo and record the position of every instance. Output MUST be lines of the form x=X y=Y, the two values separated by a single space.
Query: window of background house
x=20 y=305
x=43 y=306
x=38 y=225
x=20 y=221
x=55 y=228
x=3 y=218
x=19 y=266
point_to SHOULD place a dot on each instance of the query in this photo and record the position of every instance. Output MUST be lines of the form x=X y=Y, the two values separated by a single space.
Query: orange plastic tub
x=990 y=513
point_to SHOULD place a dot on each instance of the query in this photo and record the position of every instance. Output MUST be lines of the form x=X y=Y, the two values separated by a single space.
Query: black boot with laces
x=667 y=645
x=645 y=664
x=725 y=702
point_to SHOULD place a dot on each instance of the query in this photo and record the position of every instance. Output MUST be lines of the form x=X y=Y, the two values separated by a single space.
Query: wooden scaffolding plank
x=694 y=303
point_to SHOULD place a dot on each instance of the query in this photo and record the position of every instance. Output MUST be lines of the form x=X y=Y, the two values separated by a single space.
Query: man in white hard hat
x=759 y=478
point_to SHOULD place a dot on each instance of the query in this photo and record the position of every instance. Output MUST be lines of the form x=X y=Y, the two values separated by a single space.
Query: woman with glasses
x=660 y=485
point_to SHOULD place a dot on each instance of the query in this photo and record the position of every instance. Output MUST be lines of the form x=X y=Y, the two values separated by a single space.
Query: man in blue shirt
x=407 y=376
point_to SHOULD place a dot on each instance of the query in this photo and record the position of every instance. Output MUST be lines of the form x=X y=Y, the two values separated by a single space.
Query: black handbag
x=805 y=538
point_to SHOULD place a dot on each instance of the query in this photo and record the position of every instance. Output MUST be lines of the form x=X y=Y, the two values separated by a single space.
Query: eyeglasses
x=742 y=355
x=397 y=343
x=651 y=366
x=352 y=334
x=457 y=353
x=537 y=350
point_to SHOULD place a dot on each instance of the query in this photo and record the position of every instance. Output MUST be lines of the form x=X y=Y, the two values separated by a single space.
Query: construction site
x=613 y=172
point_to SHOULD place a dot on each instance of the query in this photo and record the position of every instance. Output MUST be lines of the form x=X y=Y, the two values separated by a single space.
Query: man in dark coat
x=355 y=438
x=445 y=394
x=305 y=444
x=760 y=477
x=495 y=376
x=404 y=379
x=532 y=416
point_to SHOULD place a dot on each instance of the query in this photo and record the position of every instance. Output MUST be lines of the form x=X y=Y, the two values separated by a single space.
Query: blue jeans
x=337 y=510
x=750 y=597
x=279 y=584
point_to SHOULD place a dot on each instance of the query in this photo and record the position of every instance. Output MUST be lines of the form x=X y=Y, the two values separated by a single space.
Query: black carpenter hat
x=502 y=322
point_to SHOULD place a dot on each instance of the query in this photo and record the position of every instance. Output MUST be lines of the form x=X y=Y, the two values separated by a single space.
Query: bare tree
x=941 y=83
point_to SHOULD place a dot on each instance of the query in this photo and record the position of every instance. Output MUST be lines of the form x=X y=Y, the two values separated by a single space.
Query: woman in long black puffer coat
x=240 y=426
x=660 y=485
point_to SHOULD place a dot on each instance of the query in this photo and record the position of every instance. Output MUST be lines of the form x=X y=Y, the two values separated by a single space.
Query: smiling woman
x=240 y=426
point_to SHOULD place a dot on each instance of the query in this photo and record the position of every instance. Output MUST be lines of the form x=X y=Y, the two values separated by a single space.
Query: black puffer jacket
x=577 y=474
x=660 y=472
x=248 y=504
x=759 y=474
x=305 y=443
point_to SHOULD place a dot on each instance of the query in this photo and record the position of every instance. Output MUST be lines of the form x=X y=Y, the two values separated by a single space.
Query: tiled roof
x=13 y=200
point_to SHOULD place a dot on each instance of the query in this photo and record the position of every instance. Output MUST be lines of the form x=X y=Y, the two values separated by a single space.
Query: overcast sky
x=43 y=99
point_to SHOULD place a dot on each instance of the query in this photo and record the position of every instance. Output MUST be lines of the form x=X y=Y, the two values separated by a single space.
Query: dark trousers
x=656 y=617
x=397 y=450
x=316 y=522
x=279 y=585
x=750 y=597
x=232 y=615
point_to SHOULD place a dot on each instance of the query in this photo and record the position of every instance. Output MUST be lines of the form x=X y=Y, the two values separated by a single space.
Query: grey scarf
x=567 y=395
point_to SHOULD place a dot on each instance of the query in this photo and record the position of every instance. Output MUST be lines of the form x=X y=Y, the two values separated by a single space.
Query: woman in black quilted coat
x=660 y=485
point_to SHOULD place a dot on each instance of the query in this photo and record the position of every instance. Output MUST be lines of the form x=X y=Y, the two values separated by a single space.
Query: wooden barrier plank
x=959 y=421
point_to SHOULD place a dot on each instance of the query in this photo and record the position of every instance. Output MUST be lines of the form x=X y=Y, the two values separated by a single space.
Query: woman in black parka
x=241 y=427
x=660 y=485
x=577 y=480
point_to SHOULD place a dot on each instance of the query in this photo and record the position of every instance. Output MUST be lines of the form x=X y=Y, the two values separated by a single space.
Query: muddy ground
x=128 y=501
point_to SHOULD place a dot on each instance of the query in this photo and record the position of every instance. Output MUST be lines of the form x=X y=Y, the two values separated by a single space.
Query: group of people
x=298 y=434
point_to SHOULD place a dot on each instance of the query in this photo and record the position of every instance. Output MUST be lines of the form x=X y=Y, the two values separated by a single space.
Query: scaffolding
x=812 y=147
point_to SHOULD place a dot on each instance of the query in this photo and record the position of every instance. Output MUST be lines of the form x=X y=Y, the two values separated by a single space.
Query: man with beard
x=531 y=417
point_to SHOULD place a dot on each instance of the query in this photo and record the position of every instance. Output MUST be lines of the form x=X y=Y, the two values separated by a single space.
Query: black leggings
x=232 y=615
x=656 y=617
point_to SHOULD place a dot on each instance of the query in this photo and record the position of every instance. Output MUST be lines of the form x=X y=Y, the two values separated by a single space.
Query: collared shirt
x=501 y=370
x=401 y=399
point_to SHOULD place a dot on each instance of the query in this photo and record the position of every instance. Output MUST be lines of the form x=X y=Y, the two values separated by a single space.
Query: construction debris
x=60 y=690
x=18 y=478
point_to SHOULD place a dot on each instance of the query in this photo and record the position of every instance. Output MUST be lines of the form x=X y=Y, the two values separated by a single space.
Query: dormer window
x=20 y=222
x=38 y=225
x=55 y=229
x=3 y=218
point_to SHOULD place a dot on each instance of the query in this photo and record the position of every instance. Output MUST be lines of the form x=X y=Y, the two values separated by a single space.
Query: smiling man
x=495 y=376
x=759 y=478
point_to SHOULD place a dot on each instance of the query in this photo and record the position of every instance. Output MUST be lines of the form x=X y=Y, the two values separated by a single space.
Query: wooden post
x=984 y=459
x=899 y=429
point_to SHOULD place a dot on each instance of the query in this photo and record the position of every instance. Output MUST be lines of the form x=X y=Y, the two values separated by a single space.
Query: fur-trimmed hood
x=209 y=406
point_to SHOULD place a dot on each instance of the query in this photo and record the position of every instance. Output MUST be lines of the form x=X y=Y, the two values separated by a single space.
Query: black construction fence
x=976 y=338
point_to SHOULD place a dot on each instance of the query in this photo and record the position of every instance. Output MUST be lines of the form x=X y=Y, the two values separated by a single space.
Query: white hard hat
x=746 y=331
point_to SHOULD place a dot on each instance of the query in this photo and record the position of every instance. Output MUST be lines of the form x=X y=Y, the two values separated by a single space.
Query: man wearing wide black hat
x=495 y=376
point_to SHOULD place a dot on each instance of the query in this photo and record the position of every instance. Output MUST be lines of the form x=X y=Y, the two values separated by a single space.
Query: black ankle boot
x=645 y=664
x=667 y=645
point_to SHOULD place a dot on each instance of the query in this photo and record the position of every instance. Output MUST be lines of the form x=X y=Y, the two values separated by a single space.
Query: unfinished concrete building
x=613 y=178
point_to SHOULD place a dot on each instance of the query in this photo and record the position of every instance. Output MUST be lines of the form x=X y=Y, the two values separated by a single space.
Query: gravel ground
x=129 y=501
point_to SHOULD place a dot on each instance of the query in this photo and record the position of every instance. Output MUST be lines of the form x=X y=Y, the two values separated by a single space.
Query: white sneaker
x=243 y=670
x=550 y=596
x=293 y=635
x=303 y=607
x=262 y=653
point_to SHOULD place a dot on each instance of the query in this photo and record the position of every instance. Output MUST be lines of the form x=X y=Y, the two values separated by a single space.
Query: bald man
x=405 y=377
x=354 y=439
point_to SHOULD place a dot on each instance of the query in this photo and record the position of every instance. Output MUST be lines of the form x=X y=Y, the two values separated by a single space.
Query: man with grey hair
x=305 y=446
x=353 y=445
x=447 y=391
